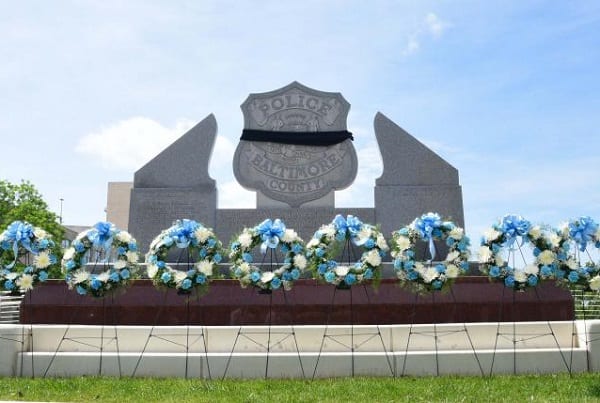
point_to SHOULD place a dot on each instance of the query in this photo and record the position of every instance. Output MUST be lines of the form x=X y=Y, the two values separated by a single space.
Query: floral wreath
x=325 y=245
x=109 y=243
x=270 y=235
x=570 y=271
x=18 y=239
x=505 y=234
x=200 y=242
x=429 y=276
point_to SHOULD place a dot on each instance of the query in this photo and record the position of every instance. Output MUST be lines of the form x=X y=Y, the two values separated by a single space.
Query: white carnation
x=564 y=229
x=531 y=269
x=81 y=276
x=205 y=267
x=267 y=276
x=244 y=267
x=313 y=243
x=535 y=232
x=104 y=276
x=491 y=234
x=554 y=240
x=365 y=232
x=41 y=260
x=595 y=283
x=120 y=264
x=40 y=233
x=452 y=256
x=499 y=261
x=520 y=276
x=571 y=263
x=597 y=234
x=373 y=258
x=124 y=236
x=300 y=262
x=381 y=242
x=485 y=254
x=429 y=274
x=25 y=282
x=132 y=257
x=456 y=233
x=11 y=276
x=180 y=276
x=341 y=271
x=289 y=235
x=69 y=253
x=328 y=230
x=452 y=271
x=245 y=239
x=546 y=257
x=403 y=242
x=202 y=234
x=151 y=270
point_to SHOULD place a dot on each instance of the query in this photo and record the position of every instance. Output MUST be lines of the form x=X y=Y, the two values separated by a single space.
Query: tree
x=24 y=202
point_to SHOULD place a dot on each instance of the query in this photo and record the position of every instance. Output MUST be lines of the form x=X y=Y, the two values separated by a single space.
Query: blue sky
x=507 y=92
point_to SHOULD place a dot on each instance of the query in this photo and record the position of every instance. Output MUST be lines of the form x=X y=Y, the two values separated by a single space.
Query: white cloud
x=232 y=195
x=412 y=46
x=370 y=167
x=435 y=26
x=432 y=26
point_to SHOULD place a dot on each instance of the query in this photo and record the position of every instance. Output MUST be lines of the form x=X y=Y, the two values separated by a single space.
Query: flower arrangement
x=431 y=275
x=106 y=245
x=202 y=248
x=576 y=265
x=325 y=245
x=19 y=240
x=511 y=234
x=270 y=235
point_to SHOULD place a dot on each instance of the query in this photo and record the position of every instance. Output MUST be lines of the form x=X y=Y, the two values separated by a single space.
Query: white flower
x=267 y=276
x=452 y=271
x=328 y=230
x=419 y=268
x=491 y=234
x=69 y=253
x=11 y=276
x=81 y=276
x=120 y=264
x=429 y=274
x=103 y=276
x=245 y=239
x=365 y=232
x=124 y=236
x=152 y=269
x=499 y=261
x=535 y=232
x=373 y=258
x=456 y=233
x=313 y=242
x=132 y=257
x=546 y=257
x=202 y=234
x=595 y=283
x=520 y=276
x=403 y=242
x=180 y=276
x=485 y=254
x=41 y=260
x=25 y=282
x=554 y=240
x=452 y=256
x=597 y=235
x=381 y=242
x=205 y=267
x=300 y=262
x=531 y=269
x=289 y=235
x=39 y=233
x=571 y=263
x=564 y=229
x=244 y=267
x=341 y=271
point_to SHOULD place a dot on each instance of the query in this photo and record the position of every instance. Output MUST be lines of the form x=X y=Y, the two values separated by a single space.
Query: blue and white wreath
x=19 y=239
x=103 y=245
x=578 y=261
x=326 y=243
x=514 y=234
x=270 y=235
x=202 y=249
x=431 y=275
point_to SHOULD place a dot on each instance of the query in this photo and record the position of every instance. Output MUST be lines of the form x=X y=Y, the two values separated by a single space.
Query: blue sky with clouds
x=507 y=92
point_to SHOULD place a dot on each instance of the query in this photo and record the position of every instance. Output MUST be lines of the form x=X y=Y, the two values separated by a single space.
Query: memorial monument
x=295 y=152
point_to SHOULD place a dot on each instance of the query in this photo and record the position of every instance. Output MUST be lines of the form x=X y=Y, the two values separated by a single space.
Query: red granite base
x=473 y=299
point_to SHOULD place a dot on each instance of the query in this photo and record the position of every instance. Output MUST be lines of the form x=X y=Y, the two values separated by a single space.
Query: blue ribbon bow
x=425 y=226
x=348 y=226
x=582 y=231
x=101 y=236
x=19 y=233
x=183 y=232
x=514 y=226
x=270 y=232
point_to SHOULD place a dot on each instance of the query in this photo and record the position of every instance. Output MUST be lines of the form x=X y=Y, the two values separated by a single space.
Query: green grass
x=537 y=388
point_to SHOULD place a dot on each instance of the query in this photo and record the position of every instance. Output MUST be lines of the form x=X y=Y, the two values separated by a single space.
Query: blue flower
x=165 y=277
x=132 y=246
x=573 y=277
x=70 y=264
x=201 y=278
x=320 y=252
x=350 y=279
x=370 y=243
x=287 y=276
x=28 y=270
x=217 y=258
x=43 y=243
x=322 y=268
x=397 y=264
x=95 y=283
x=284 y=248
x=81 y=290
x=247 y=257
x=121 y=250
x=211 y=242
x=191 y=273
x=297 y=248
x=450 y=241
x=332 y=264
x=295 y=274
x=440 y=268
x=412 y=275
x=509 y=281
x=329 y=276
x=464 y=266
x=125 y=274
x=161 y=264
x=368 y=274
x=275 y=283
x=202 y=253
x=186 y=284
x=437 y=284
x=494 y=271
x=536 y=252
x=9 y=285
x=79 y=247
x=546 y=271
x=43 y=276
x=409 y=264
x=532 y=281
x=114 y=277
x=255 y=276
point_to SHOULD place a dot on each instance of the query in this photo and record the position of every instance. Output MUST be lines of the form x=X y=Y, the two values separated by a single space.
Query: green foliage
x=25 y=203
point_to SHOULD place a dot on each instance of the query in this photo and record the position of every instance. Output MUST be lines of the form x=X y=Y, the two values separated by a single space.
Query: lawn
x=538 y=388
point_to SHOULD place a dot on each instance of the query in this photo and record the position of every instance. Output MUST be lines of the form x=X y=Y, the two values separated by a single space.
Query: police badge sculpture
x=295 y=147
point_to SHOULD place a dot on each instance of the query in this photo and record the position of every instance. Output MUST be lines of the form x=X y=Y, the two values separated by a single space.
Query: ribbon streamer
x=19 y=233
x=426 y=225
x=582 y=231
x=514 y=226
x=271 y=233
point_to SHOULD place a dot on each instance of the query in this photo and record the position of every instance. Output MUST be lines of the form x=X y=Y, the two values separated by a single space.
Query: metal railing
x=9 y=307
